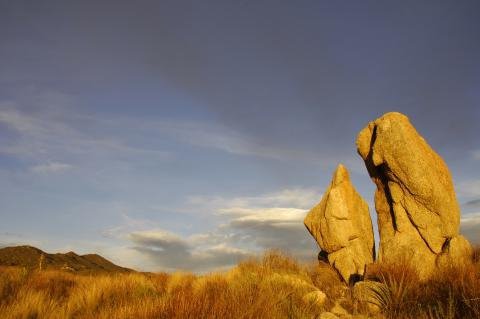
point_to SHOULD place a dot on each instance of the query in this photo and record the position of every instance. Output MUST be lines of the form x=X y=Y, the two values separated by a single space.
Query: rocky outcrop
x=418 y=213
x=342 y=227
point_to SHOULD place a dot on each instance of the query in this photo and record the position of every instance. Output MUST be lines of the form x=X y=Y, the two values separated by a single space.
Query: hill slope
x=30 y=257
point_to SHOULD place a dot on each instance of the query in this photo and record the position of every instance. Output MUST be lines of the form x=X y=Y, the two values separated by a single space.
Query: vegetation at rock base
x=273 y=286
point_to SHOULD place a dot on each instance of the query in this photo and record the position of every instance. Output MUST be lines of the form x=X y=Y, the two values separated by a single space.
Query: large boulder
x=418 y=213
x=342 y=227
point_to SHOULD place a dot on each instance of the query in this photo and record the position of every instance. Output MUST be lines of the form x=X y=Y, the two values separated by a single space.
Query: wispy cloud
x=476 y=155
x=20 y=121
x=223 y=138
x=469 y=188
x=52 y=167
x=299 y=197
x=60 y=132
x=216 y=136
x=472 y=204
x=470 y=227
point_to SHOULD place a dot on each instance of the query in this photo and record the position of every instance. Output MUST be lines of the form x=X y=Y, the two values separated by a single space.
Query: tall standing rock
x=418 y=213
x=342 y=227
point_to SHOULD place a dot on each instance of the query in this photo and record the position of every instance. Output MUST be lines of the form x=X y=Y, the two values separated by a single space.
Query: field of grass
x=273 y=286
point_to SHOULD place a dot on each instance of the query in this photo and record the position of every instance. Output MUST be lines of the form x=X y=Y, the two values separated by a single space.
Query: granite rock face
x=418 y=213
x=342 y=227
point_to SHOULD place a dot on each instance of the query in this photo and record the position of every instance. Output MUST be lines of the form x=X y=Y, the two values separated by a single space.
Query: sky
x=189 y=135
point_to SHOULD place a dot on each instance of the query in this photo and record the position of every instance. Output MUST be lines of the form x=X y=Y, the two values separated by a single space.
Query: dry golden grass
x=451 y=293
x=273 y=286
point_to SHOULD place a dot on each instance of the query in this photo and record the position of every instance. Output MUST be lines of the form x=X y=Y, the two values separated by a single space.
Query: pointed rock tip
x=341 y=174
x=393 y=115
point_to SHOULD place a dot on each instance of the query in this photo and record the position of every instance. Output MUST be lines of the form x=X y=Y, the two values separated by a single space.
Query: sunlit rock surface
x=342 y=227
x=418 y=213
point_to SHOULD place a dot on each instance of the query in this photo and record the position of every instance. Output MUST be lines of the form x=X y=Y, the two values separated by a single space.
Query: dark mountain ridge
x=34 y=258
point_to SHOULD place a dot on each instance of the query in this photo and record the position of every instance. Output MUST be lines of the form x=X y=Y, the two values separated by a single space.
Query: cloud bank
x=251 y=226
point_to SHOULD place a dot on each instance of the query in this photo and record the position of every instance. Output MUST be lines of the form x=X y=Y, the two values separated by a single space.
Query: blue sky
x=189 y=135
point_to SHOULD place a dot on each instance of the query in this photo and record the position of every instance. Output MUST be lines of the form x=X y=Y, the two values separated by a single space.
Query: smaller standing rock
x=342 y=227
